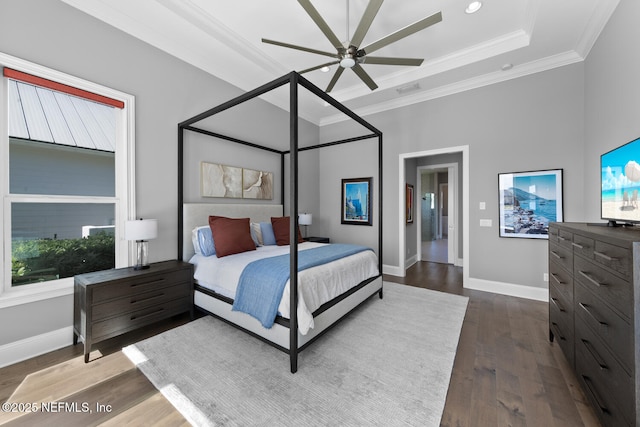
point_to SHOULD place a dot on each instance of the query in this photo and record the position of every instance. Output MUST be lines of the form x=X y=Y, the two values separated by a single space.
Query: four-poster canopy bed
x=362 y=279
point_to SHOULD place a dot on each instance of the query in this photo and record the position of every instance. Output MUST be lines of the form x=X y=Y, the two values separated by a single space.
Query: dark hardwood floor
x=506 y=373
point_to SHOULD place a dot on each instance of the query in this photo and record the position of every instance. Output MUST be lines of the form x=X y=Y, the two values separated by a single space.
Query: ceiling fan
x=352 y=55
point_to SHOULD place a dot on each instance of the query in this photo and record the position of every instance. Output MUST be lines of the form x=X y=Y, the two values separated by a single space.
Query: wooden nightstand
x=111 y=302
x=317 y=239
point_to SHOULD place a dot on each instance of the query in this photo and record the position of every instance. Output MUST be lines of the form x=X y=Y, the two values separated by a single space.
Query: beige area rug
x=388 y=363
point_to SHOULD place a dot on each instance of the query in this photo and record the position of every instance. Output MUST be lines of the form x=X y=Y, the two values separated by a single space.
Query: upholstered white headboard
x=197 y=214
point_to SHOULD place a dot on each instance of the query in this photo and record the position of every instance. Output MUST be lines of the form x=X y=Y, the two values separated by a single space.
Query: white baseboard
x=27 y=348
x=393 y=270
x=528 y=292
x=410 y=261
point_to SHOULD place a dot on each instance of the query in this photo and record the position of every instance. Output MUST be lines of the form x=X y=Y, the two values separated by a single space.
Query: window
x=68 y=147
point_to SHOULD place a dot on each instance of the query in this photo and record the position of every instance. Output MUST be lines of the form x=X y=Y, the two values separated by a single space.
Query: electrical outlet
x=545 y=277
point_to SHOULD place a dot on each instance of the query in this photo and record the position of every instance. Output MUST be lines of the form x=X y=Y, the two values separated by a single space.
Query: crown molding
x=533 y=67
x=597 y=22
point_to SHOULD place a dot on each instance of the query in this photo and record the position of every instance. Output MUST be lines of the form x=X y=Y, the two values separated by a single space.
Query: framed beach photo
x=528 y=202
x=356 y=201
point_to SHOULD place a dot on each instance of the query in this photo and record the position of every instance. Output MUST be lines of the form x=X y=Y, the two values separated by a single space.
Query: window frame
x=124 y=198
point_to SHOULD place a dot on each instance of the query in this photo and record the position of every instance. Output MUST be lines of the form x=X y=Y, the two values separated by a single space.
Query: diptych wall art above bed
x=234 y=182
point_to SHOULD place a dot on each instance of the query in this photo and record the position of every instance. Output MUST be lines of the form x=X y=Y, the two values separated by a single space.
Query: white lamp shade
x=141 y=229
x=305 y=219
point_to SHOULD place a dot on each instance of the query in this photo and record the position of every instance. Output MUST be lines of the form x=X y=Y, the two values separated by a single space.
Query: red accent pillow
x=280 y=226
x=231 y=235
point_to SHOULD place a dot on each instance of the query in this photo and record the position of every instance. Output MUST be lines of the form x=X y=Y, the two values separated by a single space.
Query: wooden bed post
x=293 y=223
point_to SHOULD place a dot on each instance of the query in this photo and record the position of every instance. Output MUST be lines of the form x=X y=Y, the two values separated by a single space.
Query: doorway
x=435 y=222
x=460 y=236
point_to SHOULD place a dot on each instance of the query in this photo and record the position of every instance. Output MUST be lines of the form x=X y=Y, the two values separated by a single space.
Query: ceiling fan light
x=473 y=7
x=347 y=62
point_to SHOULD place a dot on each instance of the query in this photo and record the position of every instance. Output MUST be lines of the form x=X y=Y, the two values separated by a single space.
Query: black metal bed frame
x=293 y=79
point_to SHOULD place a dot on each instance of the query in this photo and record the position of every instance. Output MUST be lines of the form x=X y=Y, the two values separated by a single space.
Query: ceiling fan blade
x=305 y=49
x=402 y=33
x=334 y=79
x=320 y=22
x=367 y=18
x=364 y=77
x=318 y=67
x=380 y=60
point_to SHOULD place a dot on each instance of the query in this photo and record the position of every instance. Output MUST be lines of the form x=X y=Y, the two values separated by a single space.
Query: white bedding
x=316 y=285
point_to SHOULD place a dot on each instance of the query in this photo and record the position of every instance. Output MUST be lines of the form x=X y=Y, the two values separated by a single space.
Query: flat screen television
x=620 y=184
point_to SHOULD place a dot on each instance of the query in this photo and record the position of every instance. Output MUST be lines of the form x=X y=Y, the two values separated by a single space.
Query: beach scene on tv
x=528 y=204
x=621 y=183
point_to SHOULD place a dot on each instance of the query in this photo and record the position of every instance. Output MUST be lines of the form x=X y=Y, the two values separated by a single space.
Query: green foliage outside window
x=41 y=260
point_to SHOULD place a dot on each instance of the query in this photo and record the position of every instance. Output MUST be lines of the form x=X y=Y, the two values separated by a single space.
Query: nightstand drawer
x=139 y=301
x=138 y=285
x=126 y=322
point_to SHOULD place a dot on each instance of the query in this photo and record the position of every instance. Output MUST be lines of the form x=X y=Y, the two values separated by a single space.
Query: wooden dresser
x=111 y=302
x=594 y=274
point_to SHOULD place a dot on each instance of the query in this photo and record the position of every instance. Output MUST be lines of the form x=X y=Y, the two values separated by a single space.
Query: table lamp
x=141 y=230
x=305 y=219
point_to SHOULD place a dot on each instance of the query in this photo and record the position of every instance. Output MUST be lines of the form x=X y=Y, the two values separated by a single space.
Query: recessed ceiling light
x=325 y=69
x=473 y=7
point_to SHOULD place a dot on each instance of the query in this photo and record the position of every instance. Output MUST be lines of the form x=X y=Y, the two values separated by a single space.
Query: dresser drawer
x=613 y=257
x=126 y=322
x=561 y=322
x=561 y=255
x=138 y=285
x=565 y=238
x=609 y=385
x=583 y=246
x=607 y=286
x=561 y=278
x=140 y=300
x=553 y=234
x=610 y=328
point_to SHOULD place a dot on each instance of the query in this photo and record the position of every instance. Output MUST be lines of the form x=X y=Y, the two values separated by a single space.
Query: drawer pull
x=555 y=302
x=148 y=283
x=605 y=256
x=558 y=328
x=595 y=395
x=555 y=254
x=561 y=238
x=595 y=355
x=136 y=301
x=577 y=245
x=585 y=307
x=555 y=277
x=148 y=314
x=591 y=279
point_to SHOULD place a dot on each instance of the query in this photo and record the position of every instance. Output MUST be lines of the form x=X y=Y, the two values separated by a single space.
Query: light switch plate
x=485 y=223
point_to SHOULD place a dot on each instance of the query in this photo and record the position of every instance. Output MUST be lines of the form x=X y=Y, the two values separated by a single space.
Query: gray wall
x=612 y=96
x=531 y=123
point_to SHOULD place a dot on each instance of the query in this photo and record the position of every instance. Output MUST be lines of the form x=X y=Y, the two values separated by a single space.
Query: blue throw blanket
x=262 y=282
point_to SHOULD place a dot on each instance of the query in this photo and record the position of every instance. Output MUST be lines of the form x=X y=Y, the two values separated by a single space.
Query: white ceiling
x=462 y=52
